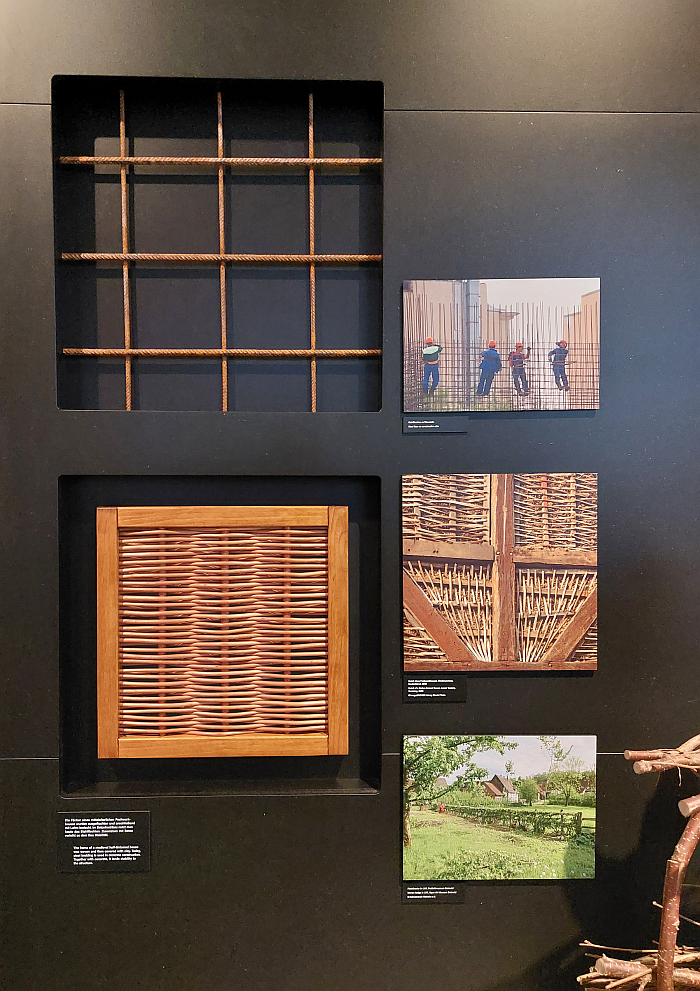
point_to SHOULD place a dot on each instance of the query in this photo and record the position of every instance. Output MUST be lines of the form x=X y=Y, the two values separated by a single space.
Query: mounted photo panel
x=222 y=631
x=501 y=344
x=500 y=572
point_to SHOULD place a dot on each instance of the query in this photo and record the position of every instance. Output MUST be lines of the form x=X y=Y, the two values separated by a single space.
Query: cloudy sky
x=530 y=757
x=551 y=292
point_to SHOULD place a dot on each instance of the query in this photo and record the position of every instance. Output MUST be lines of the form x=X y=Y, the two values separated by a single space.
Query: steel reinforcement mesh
x=223 y=631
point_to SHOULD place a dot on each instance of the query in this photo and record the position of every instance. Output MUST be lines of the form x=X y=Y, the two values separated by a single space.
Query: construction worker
x=431 y=366
x=516 y=360
x=490 y=364
x=558 y=356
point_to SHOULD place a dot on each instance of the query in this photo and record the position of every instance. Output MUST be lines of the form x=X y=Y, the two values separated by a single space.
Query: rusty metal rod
x=126 y=290
x=222 y=352
x=222 y=248
x=154 y=256
x=312 y=252
x=211 y=160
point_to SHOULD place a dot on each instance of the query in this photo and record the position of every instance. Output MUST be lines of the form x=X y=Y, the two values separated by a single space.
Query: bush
x=588 y=800
x=490 y=866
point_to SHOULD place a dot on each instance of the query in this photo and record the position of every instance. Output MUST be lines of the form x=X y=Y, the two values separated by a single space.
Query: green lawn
x=447 y=847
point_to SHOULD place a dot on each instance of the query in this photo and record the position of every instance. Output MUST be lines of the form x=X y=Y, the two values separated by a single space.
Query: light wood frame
x=109 y=742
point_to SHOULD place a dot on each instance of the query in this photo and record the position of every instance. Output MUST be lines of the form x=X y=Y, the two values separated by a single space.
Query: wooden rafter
x=456 y=651
x=459 y=551
x=572 y=635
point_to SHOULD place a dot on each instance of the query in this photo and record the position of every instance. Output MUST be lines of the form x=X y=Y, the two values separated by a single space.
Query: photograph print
x=500 y=572
x=501 y=344
x=498 y=808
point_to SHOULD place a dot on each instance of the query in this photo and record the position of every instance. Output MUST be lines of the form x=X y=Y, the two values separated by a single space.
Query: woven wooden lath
x=446 y=507
x=462 y=596
x=556 y=510
x=548 y=599
x=223 y=631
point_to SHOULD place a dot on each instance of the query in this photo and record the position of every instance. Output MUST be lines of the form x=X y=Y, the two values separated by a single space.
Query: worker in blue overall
x=557 y=357
x=516 y=360
x=431 y=366
x=490 y=364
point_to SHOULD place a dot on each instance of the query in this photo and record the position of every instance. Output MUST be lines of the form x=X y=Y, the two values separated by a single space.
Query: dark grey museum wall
x=485 y=176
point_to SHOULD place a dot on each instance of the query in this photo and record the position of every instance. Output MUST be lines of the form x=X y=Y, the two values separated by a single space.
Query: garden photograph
x=498 y=808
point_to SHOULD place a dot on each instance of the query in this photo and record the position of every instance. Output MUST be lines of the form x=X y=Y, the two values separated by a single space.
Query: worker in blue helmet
x=557 y=357
x=431 y=366
x=490 y=364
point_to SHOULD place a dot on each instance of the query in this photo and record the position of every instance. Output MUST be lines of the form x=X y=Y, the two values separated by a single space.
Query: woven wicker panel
x=223 y=631
x=556 y=510
x=547 y=599
x=462 y=596
x=418 y=645
x=446 y=507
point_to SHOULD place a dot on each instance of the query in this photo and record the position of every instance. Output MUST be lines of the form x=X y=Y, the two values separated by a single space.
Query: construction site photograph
x=500 y=572
x=501 y=345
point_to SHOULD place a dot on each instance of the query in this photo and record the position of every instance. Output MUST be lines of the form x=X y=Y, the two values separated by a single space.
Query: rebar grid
x=222 y=257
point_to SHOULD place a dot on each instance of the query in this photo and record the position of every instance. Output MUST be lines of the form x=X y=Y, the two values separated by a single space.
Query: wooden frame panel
x=226 y=744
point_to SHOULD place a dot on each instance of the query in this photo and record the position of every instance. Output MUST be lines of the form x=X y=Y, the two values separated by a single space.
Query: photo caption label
x=97 y=842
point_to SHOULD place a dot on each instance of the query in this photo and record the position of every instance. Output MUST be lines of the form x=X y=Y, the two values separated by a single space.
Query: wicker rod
x=223 y=631
x=126 y=294
x=221 y=352
x=220 y=160
x=222 y=249
x=312 y=252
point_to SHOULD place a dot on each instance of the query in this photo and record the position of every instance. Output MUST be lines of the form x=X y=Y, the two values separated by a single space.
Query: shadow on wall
x=617 y=909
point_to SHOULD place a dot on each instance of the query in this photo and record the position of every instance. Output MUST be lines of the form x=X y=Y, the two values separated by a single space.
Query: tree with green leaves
x=426 y=758
x=528 y=791
x=566 y=778
x=554 y=748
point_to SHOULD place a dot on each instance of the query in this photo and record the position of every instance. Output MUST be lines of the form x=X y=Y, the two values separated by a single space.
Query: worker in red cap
x=557 y=357
x=490 y=364
x=431 y=366
x=516 y=360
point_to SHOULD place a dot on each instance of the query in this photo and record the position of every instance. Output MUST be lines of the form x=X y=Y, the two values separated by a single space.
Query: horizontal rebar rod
x=222 y=352
x=156 y=256
x=210 y=160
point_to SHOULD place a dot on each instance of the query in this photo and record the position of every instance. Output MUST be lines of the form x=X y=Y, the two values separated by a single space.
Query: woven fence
x=564 y=824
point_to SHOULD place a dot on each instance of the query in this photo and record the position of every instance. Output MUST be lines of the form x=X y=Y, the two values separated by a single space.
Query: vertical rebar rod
x=312 y=251
x=222 y=250
x=125 y=247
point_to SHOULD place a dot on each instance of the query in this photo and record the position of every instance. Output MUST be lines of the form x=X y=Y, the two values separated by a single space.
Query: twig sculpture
x=669 y=967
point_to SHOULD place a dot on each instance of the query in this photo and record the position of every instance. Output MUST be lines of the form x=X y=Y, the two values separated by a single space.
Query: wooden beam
x=338 y=624
x=505 y=648
x=226 y=745
x=572 y=635
x=107 y=632
x=511 y=667
x=430 y=619
x=459 y=551
x=220 y=516
x=563 y=557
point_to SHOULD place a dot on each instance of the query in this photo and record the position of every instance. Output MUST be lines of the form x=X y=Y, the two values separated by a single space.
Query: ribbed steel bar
x=312 y=252
x=214 y=257
x=219 y=160
x=222 y=249
x=222 y=352
x=126 y=292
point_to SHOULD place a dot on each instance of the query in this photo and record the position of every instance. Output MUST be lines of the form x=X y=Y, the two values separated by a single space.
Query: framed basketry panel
x=222 y=631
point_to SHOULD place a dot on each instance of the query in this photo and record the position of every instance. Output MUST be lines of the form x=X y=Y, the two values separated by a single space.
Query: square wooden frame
x=109 y=743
